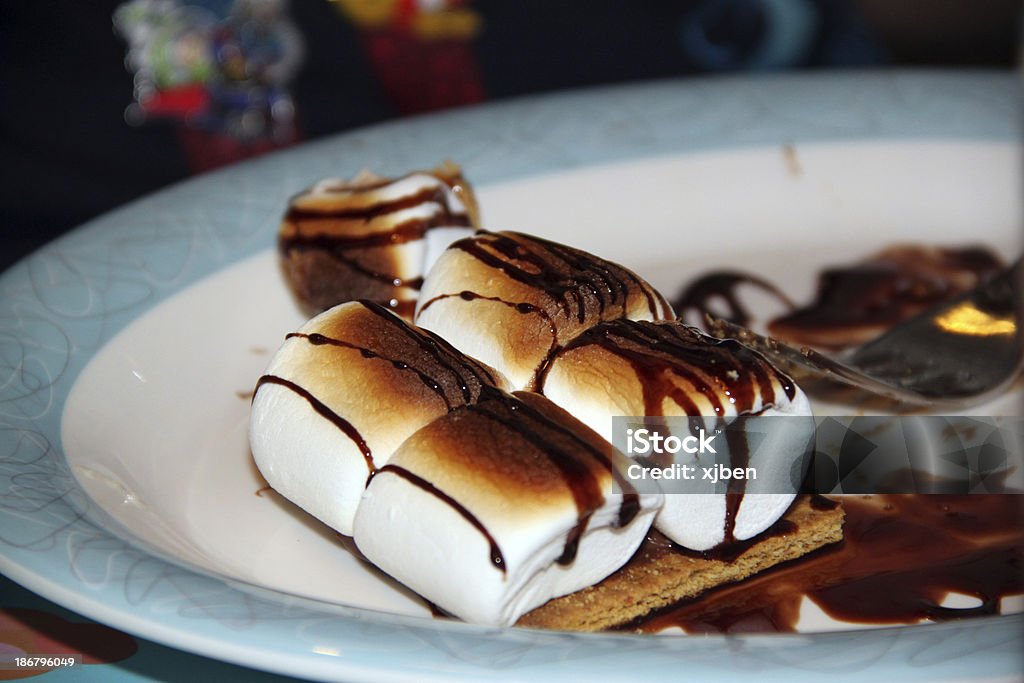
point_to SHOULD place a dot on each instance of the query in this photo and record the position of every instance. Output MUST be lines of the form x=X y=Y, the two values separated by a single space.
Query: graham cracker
x=659 y=576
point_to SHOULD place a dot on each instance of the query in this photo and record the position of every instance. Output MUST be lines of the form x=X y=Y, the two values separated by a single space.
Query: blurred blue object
x=757 y=35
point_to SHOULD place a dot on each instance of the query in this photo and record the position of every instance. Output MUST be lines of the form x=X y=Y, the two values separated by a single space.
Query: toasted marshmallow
x=499 y=506
x=668 y=369
x=341 y=394
x=511 y=300
x=372 y=237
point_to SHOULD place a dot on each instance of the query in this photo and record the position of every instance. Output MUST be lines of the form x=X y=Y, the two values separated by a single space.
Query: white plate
x=128 y=348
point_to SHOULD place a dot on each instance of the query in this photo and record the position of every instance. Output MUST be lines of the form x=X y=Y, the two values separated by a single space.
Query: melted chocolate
x=698 y=295
x=714 y=367
x=403 y=307
x=571 y=453
x=497 y=559
x=579 y=283
x=572 y=540
x=900 y=557
x=332 y=233
x=363 y=266
x=347 y=252
x=819 y=502
x=520 y=307
x=439 y=366
x=318 y=339
x=726 y=552
x=659 y=353
x=365 y=214
x=739 y=456
x=853 y=303
x=337 y=420
x=443 y=361
x=561 y=445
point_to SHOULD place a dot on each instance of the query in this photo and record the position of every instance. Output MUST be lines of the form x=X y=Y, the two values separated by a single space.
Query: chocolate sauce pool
x=699 y=295
x=900 y=557
x=855 y=302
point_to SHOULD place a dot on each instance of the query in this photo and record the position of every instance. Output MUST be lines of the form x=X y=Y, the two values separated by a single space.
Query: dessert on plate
x=456 y=409
x=468 y=455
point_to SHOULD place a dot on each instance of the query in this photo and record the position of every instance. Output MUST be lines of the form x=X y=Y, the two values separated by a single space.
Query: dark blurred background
x=82 y=130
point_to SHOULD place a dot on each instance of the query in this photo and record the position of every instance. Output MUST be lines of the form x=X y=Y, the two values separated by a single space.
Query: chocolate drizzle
x=725 y=552
x=858 y=302
x=854 y=303
x=563 y=290
x=455 y=378
x=719 y=370
x=443 y=361
x=337 y=420
x=520 y=307
x=435 y=194
x=340 y=229
x=338 y=243
x=901 y=556
x=668 y=356
x=579 y=460
x=572 y=540
x=525 y=431
x=698 y=296
x=497 y=559
x=466 y=385
x=467 y=370
x=318 y=339
x=739 y=456
x=579 y=284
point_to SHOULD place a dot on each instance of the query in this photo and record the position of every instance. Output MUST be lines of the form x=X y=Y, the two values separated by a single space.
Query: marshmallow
x=511 y=300
x=342 y=393
x=499 y=506
x=372 y=237
x=648 y=369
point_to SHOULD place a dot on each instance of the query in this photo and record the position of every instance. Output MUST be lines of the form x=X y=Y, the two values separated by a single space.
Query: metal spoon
x=958 y=353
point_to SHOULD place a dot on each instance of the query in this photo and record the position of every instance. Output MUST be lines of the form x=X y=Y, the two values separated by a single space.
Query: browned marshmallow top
x=515 y=457
x=357 y=362
x=530 y=295
x=659 y=368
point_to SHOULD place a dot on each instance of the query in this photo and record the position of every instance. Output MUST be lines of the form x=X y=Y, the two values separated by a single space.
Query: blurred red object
x=420 y=51
x=183 y=102
x=206 y=150
x=420 y=76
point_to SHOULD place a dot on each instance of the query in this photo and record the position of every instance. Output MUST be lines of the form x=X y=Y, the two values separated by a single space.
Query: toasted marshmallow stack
x=630 y=368
x=511 y=300
x=499 y=506
x=372 y=237
x=342 y=393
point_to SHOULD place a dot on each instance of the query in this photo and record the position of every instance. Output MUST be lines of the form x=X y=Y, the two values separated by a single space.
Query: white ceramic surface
x=129 y=347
